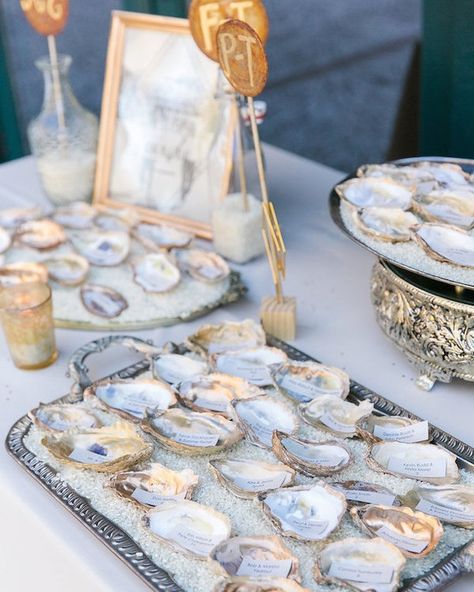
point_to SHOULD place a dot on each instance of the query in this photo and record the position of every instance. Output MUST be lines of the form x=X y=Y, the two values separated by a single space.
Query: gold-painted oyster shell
x=62 y=417
x=104 y=248
x=453 y=504
x=335 y=415
x=40 y=234
x=22 y=272
x=303 y=381
x=227 y=336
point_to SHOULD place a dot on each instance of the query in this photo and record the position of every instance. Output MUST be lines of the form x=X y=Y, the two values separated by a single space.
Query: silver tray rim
x=125 y=548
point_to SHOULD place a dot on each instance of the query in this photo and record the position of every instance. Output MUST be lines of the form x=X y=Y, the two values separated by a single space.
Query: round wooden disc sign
x=242 y=58
x=47 y=17
x=205 y=17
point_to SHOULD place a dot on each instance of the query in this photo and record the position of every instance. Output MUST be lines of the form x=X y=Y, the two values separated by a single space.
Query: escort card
x=424 y=467
x=196 y=439
x=263 y=484
x=258 y=375
x=221 y=406
x=370 y=574
x=264 y=568
x=448 y=514
x=155 y=499
x=310 y=529
x=263 y=433
x=194 y=541
x=403 y=542
x=369 y=497
x=302 y=390
x=417 y=432
x=334 y=424
x=85 y=456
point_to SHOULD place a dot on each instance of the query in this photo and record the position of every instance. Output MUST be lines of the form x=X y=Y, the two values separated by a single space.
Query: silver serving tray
x=124 y=547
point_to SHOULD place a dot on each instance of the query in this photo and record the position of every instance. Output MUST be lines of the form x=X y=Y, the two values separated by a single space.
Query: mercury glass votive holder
x=26 y=313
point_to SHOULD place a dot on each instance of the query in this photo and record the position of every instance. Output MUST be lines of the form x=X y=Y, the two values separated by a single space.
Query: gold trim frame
x=121 y=21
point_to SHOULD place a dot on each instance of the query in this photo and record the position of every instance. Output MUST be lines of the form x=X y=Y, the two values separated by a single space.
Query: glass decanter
x=63 y=137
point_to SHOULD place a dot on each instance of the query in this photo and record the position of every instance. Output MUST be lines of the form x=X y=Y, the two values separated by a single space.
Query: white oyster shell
x=305 y=512
x=103 y=301
x=123 y=219
x=106 y=450
x=153 y=486
x=424 y=462
x=309 y=457
x=204 y=266
x=189 y=527
x=104 y=248
x=14 y=217
x=376 y=428
x=227 y=336
x=369 y=565
x=76 y=215
x=68 y=270
x=192 y=433
x=304 y=381
x=389 y=224
x=245 y=584
x=63 y=417
x=156 y=272
x=448 y=206
x=257 y=365
x=447 y=243
x=131 y=399
x=175 y=368
x=453 y=504
x=40 y=234
x=375 y=192
x=158 y=236
x=335 y=415
x=247 y=478
x=260 y=416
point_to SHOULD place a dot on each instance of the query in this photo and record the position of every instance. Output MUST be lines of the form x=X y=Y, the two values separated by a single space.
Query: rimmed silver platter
x=449 y=274
x=125 y=548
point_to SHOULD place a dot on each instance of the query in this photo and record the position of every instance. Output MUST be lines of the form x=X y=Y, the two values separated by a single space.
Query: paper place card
x=337 y=426
x=444 y=513
x=263 y=433
x=369 y=497
x=403 y=542
x=85 y=456
x=196 y=439
x=319 y=458
x=155 y=499
x=194 y=541
x=263 y=484
x=369 y=574
x=60 y=425
x=135 y=403
x=278 y=568
x=259 y=375
x=417 y=432
x=302 y=390
x=221 y=406
x=310 y=529
x=425 y=467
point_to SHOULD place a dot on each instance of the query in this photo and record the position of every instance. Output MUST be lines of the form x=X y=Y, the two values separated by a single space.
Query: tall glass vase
x=63 y=137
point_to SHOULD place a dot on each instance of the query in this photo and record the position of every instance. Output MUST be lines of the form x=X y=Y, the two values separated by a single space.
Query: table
x=45 y=549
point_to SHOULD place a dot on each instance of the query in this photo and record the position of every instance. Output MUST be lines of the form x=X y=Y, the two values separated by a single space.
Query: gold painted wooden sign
x=47 y=17
x=206 y=16
x=242 y=57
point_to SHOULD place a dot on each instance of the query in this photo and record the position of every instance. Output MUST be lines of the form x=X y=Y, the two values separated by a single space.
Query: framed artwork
x=166 y=131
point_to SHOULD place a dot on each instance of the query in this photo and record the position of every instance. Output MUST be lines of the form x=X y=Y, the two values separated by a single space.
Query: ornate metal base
x=435 y=332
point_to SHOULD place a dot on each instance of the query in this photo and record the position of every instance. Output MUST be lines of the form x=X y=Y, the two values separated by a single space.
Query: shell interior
x=380 y=192
x=104 y=248
x=335 y=415
x=448 y=206
x=245 y=584
x=40 y=234
x=391 y=224
x=447 y=244
x=63 y=417
x=256 y=365
x=303 y=381
x=103 y=301
x=453 y=504
x=166 y=237
x=175 y=368
x=205 y=266
x=156 y=272
x=69 y=270
x=227 y=336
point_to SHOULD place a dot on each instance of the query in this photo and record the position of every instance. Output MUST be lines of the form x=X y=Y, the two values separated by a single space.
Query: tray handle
x=78 y=370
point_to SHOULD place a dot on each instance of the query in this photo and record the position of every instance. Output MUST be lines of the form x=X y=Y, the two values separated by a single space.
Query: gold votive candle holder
x=26 y=312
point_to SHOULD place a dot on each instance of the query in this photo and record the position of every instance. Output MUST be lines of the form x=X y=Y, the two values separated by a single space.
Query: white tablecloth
x=45 y=549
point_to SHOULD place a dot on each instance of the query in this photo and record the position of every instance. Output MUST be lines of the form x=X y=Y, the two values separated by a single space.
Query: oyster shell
x=104 y=248
x=158 y=236
x=189 y=527
x=257 y=365
x=155 y=272
x=174 y=368
x=106 y=450
x=335 y=415
x=243 y=584
x=380 y=192
x=67 y=270
x=20 y=272
x=446 y=173
x=192 y=433
x=76 y=215
x=453 y=504
x=446 y=243
x=214 y=392
x=63 y=417
x=204 y=266
x=375 y=428
x=305 y=512
x=215 y=339
x=5 y=240
x=369 y=565
x=131 y=399
x=153 y=486
x=303 y=381
x=14 y=217
x=122 y=219
x=389 y=224
x=260 y=416
x=247 y=478
x=425 y=462
x=256 y=556
x=311 y=458
x=414 y=533
x=103 y=301
x=361 y=493
x=40 y=234
x=448 y=206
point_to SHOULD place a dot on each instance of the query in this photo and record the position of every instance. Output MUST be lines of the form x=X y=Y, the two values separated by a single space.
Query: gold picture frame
x=165 y=141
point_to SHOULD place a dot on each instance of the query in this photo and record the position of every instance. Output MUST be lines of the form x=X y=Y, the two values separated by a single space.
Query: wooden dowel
x=258 y=150
x=58 y=97
x=240 y=155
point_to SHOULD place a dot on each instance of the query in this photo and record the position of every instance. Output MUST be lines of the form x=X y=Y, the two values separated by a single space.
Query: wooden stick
x=240 y=155
x=258 y=150
x=58 y=97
